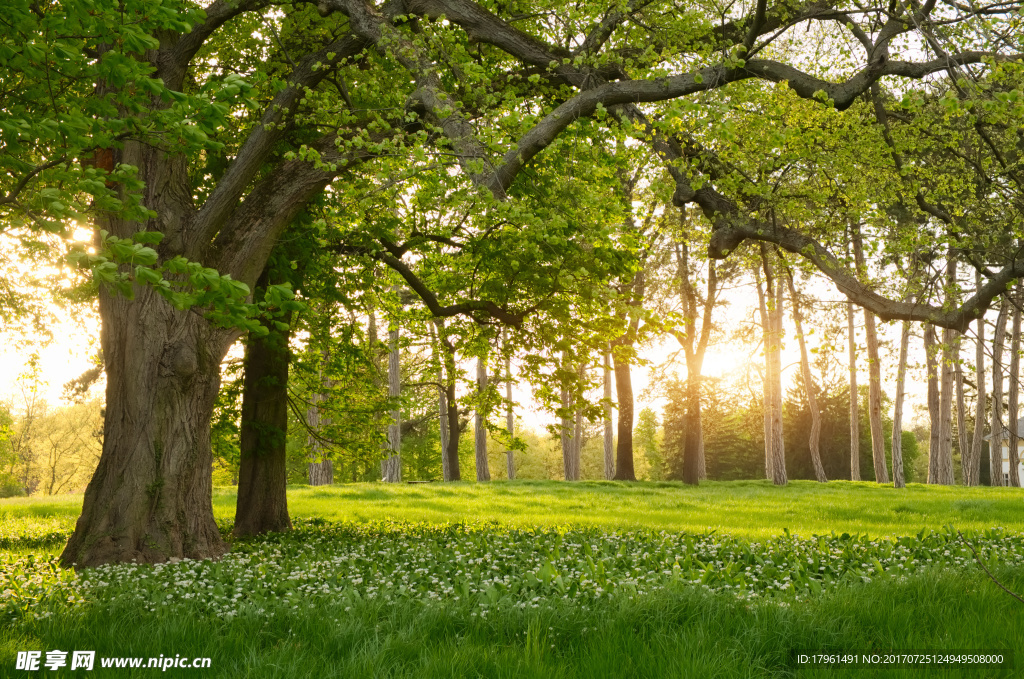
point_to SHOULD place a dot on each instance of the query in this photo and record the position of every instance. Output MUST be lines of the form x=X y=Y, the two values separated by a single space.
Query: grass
x=580 y=580
x=749 y=509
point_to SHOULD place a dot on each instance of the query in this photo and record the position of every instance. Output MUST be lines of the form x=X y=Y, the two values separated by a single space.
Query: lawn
x=533 y=579
x=749 y=509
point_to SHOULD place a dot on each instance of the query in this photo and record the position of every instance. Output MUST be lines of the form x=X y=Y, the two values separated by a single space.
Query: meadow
x=543 y=579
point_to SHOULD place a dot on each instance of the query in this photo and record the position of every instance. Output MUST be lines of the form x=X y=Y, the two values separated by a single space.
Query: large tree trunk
x=971 y=461
x=898 y=477
x=609 y=454
x=810 y=389
x=995 y=442
x=624 y=395
x=150 y=497
x=262 y=502
x=1014 y=386
x=391 y=467
x=483 y=470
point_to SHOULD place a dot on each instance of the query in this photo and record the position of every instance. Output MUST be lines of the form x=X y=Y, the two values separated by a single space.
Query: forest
x=354 y=246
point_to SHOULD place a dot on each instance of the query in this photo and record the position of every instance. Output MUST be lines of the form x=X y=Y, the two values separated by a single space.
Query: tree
x=770 y=307
x=874 y=373
x=262 y=503
x=609 y=437
x=483 y=472
x=694 y=345
x=810 y=389
x=223 y=161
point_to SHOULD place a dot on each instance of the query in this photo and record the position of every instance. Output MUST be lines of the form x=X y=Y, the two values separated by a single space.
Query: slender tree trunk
x=874 y=374
x=609 y=455
x=778 y=444
x=935 y=427
x=450 y=407
x=875 y=400
x=262 y=501
x=995 y=444
x=961 y=407
x=483 y=471
x=854 y=397
x=1014 y=386
x=570 y=457
x=809 y=387
x=624 y=395
x=769 y=457
x=510 y=421
x=971 y=461
x=944 y=459
x=899 y=479
x=442 y=407
x=577 y=435
x=320 y=469
x=773 y=371
x=391 y=468
x=694 y=347
x=442 y=404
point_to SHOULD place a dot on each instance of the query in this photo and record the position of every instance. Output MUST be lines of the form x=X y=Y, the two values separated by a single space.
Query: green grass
x=526 y=596
x=750 y=509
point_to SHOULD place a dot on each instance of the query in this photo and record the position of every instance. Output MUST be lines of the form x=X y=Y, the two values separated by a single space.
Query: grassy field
x=750 y=509
x=532 y=579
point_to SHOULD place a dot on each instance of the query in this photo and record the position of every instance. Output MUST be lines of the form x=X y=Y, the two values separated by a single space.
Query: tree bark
x=775 y=450
x=577 y=434
x=624 y=395
x=694 y=347
x=570 y=461
x=898 y=476
x=449 y=408
x=809 y=387
x=971 y=461
x=483 y=471
x=874 y=373
x=1014 y=387
x=769 y=457
x=935 y=428
x=961 y=407
x=262 y=502
x=998 y=432
x=609 y=454
x=150 y=498
x=320 y=469
x=854 y=397
x=944 y=458
x=510 y=420
x=391 y=468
